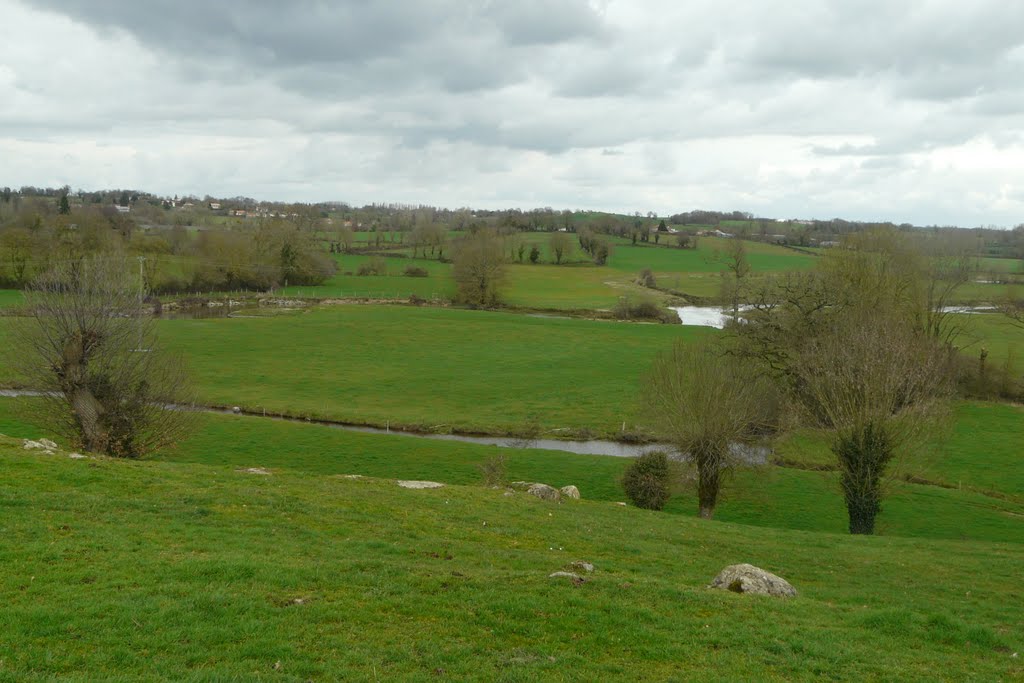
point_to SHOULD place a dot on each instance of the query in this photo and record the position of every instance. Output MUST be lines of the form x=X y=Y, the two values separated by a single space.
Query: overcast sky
x=887 y=109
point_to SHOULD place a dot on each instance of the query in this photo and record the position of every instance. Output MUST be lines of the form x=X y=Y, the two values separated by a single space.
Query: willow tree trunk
x=709 y=464
x=863 y=456
x=86 y=407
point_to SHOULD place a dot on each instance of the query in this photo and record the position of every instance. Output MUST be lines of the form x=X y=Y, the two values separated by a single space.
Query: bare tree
x=917 y=276
x=560 y=243
x=478 y=267
x=946 y=267
x=88 y=346
x=734 y=257
x=345 y=237
x=1013 y=308
x=707 y=405
x=873 y=381
x=853 y=346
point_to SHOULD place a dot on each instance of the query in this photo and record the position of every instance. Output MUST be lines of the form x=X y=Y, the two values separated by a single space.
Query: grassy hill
x=974 y=489
x=167 y=571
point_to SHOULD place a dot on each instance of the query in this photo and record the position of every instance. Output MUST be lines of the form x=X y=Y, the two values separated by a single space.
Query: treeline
x=175 y=259
x=394 y=222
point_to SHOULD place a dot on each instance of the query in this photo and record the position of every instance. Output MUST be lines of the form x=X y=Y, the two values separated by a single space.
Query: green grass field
x=346 y=284
x=577 y=284
x=996 y=334
x=433 y=368
x=169 y=571
x=426 y=367
x=980 y=449
x=957 y=508
x=10 y=298
x=449 y=369
x=1000 y=265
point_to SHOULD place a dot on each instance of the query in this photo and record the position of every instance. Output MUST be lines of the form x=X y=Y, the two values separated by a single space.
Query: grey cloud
x=498 y=99
x=939 y=50
x=375 y=46
x=541 y=22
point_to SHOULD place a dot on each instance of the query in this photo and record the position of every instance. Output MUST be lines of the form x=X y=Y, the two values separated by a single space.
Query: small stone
x=77 y=456
x=566 y=575
x=621 y=503
x=351 y=476
x=30 y=445
x=544 y=492
x=508 y=493
x=581 y=566
x=412 y=484
x=236 y=410
x=746 y=578
x=570 y=491
x=256 y=470
x=48 y=445
x=521 y=485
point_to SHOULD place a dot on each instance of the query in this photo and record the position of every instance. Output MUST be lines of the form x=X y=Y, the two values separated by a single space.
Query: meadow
x=976 y=489
x=577 y=284
x=455 y=370
x=167 y=571
x=428 y=368
x=10 y=298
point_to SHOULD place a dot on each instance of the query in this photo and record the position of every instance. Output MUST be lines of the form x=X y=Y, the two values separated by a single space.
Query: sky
x=911 y=111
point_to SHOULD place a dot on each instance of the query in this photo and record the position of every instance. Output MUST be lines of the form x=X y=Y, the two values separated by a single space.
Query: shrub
x=642 y=308
x=375 y=266
x=494 y=470
x=415 y=271
x=646 y=278
x=646 y=481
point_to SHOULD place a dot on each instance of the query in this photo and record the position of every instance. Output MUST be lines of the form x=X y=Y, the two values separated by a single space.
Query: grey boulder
x=746 y=578
x=570 y=491
x=544 y=492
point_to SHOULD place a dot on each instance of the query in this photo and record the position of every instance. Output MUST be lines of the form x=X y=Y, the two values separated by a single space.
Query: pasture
x=975 y=488
x=128 y=570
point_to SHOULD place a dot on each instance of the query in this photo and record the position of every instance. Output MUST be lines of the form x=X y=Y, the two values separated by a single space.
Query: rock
x=30 y=445
x=256 y=470
x=420 y=484
x=570 y=491
x=236 y=410
x=77 y=456
x=351 y=476
x=746 y=578
x=521 y=485
x=48 y=445
x=544 y=492
x=621 y=503
x=581 y=566
x=508 y=493
x=567 y=575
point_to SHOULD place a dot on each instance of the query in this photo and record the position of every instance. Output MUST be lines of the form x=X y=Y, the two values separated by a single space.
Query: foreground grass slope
x=147 y=571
